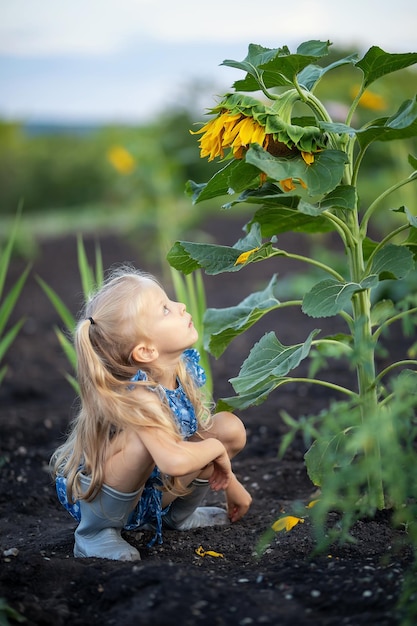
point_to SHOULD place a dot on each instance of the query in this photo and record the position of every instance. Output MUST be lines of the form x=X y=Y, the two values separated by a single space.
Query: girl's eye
x=166 y=310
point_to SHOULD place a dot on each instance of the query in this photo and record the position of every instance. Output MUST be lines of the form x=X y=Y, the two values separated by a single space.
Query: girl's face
x=168 y=325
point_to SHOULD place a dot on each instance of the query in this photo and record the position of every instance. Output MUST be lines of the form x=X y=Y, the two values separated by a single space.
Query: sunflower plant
x=282 y=154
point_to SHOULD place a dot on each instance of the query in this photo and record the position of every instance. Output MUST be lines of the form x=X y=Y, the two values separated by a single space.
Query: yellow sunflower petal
x=201 y=552
x=287 y=184
x=308 y=157
x=244 y=256
x=287 y=523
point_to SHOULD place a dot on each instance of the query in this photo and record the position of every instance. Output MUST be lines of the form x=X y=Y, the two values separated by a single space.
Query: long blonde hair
x=106 y=333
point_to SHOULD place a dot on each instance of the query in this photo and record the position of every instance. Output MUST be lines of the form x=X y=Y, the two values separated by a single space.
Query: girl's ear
x=144 y=354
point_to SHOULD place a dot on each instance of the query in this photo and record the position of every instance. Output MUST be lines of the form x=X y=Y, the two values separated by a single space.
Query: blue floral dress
x=148 y=511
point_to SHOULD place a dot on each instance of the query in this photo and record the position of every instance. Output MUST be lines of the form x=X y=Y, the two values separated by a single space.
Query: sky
x=123 y=61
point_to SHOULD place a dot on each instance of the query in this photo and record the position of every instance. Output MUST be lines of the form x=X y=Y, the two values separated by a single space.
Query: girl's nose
x=183 y=308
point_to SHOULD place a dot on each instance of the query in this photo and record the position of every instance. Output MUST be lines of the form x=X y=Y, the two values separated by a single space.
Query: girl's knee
x=230 y=430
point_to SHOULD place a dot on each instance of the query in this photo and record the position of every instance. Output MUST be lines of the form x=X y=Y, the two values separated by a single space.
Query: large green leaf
x=265 y=369
x=329 y=297
x=221 y=326
x=392 y=262
x=342 y=197
x=187 y=256
x=320 y=177
x=401 y=125
x=277 y=220
x=377 y=63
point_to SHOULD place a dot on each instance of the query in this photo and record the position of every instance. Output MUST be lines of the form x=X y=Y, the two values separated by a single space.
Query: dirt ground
x=351 y=585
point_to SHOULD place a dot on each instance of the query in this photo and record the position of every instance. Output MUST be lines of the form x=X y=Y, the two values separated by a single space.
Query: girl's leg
x=228 y=429
x=128 y=464
x=98 y=534
x=186 y=512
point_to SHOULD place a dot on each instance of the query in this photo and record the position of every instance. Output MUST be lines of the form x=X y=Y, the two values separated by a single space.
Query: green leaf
x=186 y=257
x=256 y=56
x=235 y=177
x=221 y=326
x=7 y=340
x=337 y=128
x=274 y=221
x=62 y=310
x=67 y=347
x=377 y=63
x=392 y=262
x=283 y=69
x=268 y=194
x=89 y=279
x=342 y=197
x=381 y=311
x=411 y=242
x=7 y=252
x=10 y=300
x=412 y=219
x=265 y=369
x=314 y=48
x=328 y=454
x=329 y=297
x=401 y=125
x=320 y=177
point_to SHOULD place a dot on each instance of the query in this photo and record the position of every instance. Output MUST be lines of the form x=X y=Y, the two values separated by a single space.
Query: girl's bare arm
x=179 y=458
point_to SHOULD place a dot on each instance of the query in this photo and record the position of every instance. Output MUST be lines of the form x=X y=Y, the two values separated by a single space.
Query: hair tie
x=92 y=322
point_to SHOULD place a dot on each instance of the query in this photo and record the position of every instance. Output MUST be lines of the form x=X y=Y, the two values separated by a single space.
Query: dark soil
x=354 y=584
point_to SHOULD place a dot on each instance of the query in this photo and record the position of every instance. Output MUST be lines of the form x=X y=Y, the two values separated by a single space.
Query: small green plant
x=303 y=172
x=8 y=302
x=90 y=279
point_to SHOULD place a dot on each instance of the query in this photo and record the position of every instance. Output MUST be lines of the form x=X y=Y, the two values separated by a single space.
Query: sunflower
x=236 y=131
x=242 y=120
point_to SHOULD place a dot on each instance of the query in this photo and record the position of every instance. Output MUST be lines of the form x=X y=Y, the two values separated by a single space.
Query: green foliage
x=8 y=302
x=304 y=172
x=91 y=278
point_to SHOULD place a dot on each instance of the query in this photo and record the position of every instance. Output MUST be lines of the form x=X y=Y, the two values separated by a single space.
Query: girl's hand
x=238 y=500
x=222 y=472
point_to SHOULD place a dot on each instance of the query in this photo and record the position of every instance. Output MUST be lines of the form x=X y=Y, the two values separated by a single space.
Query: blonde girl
x=143 y=450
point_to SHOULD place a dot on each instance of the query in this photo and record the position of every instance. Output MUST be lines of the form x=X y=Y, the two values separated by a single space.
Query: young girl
x=144 y=450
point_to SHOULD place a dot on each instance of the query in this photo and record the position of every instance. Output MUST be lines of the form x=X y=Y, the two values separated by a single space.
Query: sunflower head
x=242 y=120
x=234 y=131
